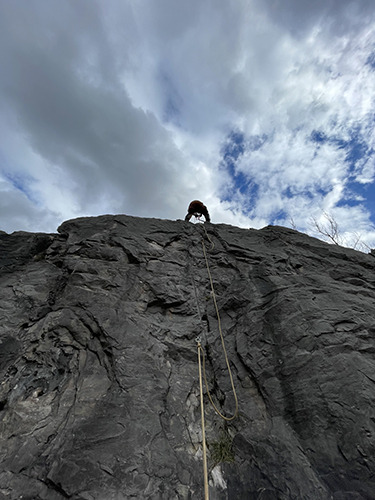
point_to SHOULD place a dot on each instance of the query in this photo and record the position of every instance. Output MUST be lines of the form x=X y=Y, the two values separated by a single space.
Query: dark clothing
x=197 y=208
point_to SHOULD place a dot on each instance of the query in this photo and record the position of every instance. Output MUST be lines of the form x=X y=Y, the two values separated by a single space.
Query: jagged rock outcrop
x=99 y=376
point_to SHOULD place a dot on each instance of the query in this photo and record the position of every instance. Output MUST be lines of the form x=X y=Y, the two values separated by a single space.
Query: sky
x=262 y=109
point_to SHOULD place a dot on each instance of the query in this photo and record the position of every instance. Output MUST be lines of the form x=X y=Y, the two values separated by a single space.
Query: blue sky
x=263 y=109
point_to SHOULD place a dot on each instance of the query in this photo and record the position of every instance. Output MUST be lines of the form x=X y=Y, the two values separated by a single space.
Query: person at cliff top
x=197 y=209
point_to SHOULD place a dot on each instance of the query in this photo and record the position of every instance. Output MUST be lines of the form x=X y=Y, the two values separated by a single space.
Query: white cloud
x=126 y=107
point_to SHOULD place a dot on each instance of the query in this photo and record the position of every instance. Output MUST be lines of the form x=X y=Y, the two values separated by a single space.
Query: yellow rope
x=209 y=239
x=223 y=346
x=205 y=472
x=202 y=368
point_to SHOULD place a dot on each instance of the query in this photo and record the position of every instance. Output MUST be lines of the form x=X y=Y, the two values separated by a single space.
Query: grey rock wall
x=99 y=395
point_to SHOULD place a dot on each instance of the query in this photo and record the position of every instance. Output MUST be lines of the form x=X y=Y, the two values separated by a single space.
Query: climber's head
x=197 y=208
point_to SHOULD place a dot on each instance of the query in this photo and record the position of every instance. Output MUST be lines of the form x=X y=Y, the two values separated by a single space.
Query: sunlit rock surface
x=99 y=374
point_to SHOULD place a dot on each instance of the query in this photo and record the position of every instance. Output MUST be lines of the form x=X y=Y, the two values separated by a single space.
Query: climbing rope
x=228 y=419
x=209 y=239
x=205 y=472
x=202 y=367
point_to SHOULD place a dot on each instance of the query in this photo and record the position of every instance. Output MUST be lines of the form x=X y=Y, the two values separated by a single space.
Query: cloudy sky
x=263 y=109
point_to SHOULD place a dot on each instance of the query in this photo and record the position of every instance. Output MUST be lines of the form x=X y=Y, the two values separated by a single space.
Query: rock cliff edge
x=99 y=395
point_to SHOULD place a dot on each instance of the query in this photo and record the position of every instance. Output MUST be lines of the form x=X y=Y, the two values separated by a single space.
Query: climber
x=197 y=209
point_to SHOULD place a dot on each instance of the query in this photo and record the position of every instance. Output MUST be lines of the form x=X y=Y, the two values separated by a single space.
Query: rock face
x=99 y=373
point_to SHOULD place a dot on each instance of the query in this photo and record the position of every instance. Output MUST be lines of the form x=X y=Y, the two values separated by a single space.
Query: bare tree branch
x=329 y=228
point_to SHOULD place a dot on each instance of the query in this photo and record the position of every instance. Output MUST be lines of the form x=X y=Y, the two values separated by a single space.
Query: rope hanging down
x=205 y=471
x=202 y=368
x=200 y=349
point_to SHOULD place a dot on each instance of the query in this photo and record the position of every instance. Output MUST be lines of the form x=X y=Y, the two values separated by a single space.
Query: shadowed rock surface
x=99 y=390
